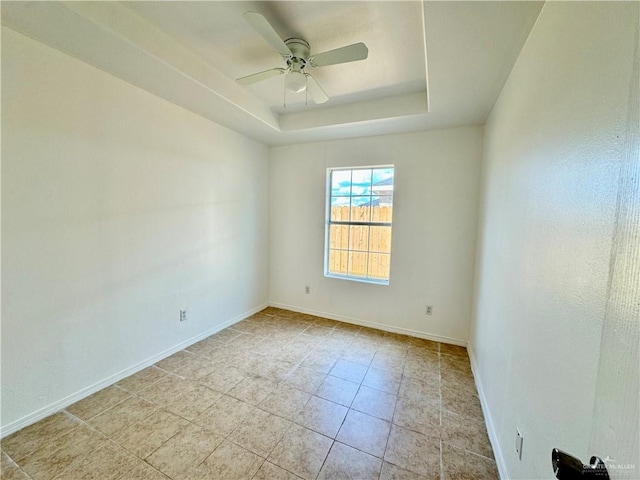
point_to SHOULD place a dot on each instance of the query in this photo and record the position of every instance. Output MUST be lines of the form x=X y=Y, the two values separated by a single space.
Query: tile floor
x=280 y=395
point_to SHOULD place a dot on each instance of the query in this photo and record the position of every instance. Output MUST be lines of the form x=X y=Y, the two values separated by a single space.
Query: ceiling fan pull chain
x=306 y=91
x=284 y=93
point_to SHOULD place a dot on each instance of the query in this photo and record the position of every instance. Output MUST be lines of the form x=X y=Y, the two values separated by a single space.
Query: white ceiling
x=430 y=65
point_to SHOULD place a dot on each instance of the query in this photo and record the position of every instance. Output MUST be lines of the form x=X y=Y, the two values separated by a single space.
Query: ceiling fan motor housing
x=300 y=51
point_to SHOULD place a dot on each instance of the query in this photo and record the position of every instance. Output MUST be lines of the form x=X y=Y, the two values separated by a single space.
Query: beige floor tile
x=141 y=380
x=6 y=460
x=301 y=451
x=359 y=354
x=420 y=388
x=317 y=331
x=165 y=390
x=419 y=414
x=175 y=361
x=453 y=350
x=260 y=432
x=13 y=473
x=426 y=364
x=31 y=438
x=58 y=455
x=375 y=402
x=459 y=381
x=337 y=390
x=393 y=349
x=197 y=368
x=384 y=380
x=385 y=361
x=223 y=379
x=285 y=401
x=466 y=432
x=322 y=416
x=462 y=402
x=457 y=364
x=354 y=372
x=109 y=462
x=193 y=402
x=225 y=415
x=143 y=471
x=122 y=415
x=145 y=436
x=294 y=354
x=227 y=335
x=275 y=370
x=320 y=361
x=347 y=463
x=306 y=379
x=269 y=471
x=365 y=433
x=459 y=464
x=204 y=347
x=186 y=449
x=423 y=344
x=232 y=462
x=393 y=472
x=98 y=402
x=414 y=452
x=253 y=390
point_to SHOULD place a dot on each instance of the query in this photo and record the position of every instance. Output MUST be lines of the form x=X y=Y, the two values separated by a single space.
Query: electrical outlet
x=183 y=315
x=307 y=289
x=519 y=440
x=428 y=310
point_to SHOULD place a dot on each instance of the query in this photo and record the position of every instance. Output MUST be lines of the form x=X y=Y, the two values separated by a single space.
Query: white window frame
x=370 y=223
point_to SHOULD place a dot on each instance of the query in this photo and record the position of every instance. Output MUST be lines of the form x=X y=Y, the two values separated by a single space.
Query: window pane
x=383 y=176
x=380 y=240
x=382 y=210
x=378 y=265
x=357 y=264
x=338 y=261
x=359 y=237
x=338 y=236
x=340 y=209
x=361 y=182
x=360 y=209
x=341 y=182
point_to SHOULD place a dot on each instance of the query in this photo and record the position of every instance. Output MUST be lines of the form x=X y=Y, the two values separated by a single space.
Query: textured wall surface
x=118 y=210
x=433 y=239
x=555 y=147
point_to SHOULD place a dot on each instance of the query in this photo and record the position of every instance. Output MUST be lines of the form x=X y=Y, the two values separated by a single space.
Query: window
x=358 y=225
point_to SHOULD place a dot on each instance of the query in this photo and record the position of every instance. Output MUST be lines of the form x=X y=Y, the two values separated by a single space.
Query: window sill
x=357 y=279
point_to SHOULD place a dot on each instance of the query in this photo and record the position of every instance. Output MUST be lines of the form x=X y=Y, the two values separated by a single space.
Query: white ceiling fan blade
x=350 y=53
x=264 y=28
x=316 y=92
x=258 y=77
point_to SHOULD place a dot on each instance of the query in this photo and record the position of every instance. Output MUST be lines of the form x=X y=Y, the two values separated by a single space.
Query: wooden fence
x=360 y=250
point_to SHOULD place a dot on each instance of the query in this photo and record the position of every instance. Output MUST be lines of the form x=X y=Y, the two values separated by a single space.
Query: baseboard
x=491 y=431
x=366 y=323
x=85 y=392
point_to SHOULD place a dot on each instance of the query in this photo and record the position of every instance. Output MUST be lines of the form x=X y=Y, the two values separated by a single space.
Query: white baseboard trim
x=491 y=430
x=366 y=323
x=85 y=392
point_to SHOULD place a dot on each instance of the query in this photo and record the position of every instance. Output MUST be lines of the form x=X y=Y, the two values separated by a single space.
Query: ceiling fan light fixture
x=296 y=81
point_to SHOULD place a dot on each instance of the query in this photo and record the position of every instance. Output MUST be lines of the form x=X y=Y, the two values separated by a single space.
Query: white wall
x=118 y=210
x=434 y=230
x=552 y=158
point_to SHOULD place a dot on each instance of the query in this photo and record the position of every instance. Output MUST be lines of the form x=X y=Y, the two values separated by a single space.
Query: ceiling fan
x=296 y=54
